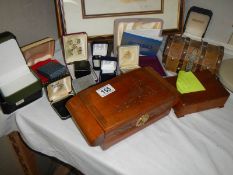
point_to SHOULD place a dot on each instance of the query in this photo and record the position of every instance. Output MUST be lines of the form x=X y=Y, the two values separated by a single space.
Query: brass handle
x=142 y=120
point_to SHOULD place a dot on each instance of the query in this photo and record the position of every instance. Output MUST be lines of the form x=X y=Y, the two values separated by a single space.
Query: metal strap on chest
x=192 y=57
x=181 y=61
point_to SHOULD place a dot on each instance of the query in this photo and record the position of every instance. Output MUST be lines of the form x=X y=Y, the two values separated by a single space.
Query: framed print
x=103 y=8
x=96 y=17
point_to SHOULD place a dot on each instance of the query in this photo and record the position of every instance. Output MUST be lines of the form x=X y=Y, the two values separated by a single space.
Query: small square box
x=82 y=68
x=108 y=68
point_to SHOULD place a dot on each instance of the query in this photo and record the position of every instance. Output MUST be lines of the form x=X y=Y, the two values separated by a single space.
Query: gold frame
x=102 y=15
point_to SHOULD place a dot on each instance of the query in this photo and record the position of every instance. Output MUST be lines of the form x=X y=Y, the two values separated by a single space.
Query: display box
x=58 y=93
x=75 y=47
x=99 y=49
x=18 y=85
x=129 y=24
x=39 y=57
x=108 y=68
x=128 y=58
x=75 y=51
x=113 y=110
x=197 y=22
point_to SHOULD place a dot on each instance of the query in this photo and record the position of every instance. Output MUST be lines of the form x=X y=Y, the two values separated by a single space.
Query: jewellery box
x=197 y=22
x=75 y=51
x=58 y=93
x=117 y=108
x=39 y=57
x=18 y=85
x=214 y=95
x=99 y=49
x=128 y=57
x=108 y=68
x=130 y=24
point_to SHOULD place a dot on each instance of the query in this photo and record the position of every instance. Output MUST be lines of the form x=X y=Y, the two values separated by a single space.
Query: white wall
x=29 y=20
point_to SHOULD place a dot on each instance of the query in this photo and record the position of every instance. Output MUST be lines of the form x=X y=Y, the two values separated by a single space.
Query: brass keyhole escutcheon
x=142 y=120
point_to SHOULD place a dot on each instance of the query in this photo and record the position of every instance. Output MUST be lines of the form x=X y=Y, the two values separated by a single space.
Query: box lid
x=128 y=56
x=10 y=54
x=59 y=89
x=117 y=104
x=196 y=22
x=121 y=25
x=75 y=47
x=39 y=51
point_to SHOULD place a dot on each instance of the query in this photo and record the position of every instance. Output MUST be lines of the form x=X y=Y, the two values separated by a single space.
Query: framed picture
x=96 y=18
x=103 y=8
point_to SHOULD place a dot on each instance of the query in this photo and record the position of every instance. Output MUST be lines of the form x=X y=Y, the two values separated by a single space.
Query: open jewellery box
x=58 y=93
x=75 y=51
x=197 y=22
x=39 y=57
x=128 y=57
x=108 y=68
x=18 y=85
x=99 y=49
x=129 y=24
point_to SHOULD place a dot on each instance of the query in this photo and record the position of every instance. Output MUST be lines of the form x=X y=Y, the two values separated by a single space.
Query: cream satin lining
x=75 y=47
x=59 y=89
x=128 y=56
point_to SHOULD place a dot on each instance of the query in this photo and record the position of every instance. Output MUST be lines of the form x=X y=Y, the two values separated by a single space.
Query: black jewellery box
x=18 y=85
x=108 y=68
x=58 y=93
x=75 y=51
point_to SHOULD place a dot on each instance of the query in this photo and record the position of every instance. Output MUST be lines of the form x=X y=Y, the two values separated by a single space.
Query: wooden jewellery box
x=18 y=85
x=214 y=96
x=40 y=55
x=58 y=93
x=111 y=111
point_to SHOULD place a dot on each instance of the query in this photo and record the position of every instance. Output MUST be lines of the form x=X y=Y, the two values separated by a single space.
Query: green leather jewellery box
x=18 y=85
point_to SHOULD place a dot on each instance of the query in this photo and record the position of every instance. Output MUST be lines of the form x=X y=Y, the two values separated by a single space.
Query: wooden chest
x=135 y=100
x=183 y=53
x=214 y=96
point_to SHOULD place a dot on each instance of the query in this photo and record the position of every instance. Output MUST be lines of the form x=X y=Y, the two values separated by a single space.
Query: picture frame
x=70 y=18
x=103 y=8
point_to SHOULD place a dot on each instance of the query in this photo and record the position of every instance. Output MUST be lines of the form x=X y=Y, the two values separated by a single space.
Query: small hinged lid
x=59 y=89
x=75 y=47
x=39 y=51
x=128 y=56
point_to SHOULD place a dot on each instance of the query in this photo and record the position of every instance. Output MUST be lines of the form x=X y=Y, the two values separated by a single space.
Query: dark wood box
x=214 y=96
x=141 y=97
